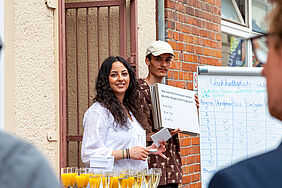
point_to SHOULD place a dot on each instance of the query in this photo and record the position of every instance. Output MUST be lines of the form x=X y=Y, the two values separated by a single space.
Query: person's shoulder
x=268 y=161
x=258 y=171
x=97 y=105
x=10 y=144
x=96 y=108
x=23 y=161
x=234 y=176
x=143 y=84
x=141 y=80
x=224 y=178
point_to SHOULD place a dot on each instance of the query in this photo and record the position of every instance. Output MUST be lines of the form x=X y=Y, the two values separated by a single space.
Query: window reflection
x=255 y=62
x=260 y=8
x=228 y=11
x=233 y=51
x=234 y=10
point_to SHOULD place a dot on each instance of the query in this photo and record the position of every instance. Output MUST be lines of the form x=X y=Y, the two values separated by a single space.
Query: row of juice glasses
x=126 y=178
x=72 y=176
x=131 y=178
x=110 y=179
x=115 y=179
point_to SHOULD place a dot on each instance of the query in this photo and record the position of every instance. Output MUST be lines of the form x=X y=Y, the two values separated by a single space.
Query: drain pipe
x=161 y=20
x=161 y=25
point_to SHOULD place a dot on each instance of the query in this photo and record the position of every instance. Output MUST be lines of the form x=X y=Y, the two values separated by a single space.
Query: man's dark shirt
x=260 y=171
x=171 y=167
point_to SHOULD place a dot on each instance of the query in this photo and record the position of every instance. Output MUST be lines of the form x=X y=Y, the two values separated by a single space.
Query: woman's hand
x=138 y=153
x=160 y=149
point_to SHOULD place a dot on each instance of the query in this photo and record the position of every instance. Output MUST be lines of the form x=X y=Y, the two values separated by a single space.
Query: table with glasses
x=73 y=177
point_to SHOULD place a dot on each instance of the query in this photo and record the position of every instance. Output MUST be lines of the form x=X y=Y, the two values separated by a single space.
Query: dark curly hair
x=106 y=97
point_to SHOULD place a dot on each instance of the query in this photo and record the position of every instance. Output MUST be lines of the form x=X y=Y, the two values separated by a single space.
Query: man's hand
x=175 y=131
x=160 y=149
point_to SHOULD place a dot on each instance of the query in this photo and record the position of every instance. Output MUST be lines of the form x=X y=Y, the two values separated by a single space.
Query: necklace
x=126 y=111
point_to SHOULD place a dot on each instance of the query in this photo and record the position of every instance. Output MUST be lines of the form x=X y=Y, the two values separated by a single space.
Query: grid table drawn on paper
x=234 y=121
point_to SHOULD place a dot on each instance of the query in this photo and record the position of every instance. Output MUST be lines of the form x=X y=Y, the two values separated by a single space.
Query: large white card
x=175 y=108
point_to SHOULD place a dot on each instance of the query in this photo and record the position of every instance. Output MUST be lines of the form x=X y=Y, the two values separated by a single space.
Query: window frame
x=242 y=31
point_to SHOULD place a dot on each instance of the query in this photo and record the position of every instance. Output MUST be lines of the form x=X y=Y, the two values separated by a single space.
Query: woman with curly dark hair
x=113 y=125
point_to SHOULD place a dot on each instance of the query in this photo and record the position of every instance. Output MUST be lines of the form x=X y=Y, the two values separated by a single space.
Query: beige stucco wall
x=31 y=74
x=146 y=31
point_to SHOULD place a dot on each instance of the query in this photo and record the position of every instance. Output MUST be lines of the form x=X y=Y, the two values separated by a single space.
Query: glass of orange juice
x=123 y=178
x=95 y=179
x=87 y=174
x=113 y=179
x=80 y=177
x=65 y=177
x=131 y=179
x=106 y=179
x=73 y=173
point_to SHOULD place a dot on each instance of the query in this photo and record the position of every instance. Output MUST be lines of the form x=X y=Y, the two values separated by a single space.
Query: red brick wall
x=193 y=30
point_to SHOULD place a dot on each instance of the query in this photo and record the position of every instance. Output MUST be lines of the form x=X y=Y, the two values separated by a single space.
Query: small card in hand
x=163 y=134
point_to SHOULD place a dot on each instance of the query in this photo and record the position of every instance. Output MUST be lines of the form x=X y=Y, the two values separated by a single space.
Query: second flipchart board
x=235 y=123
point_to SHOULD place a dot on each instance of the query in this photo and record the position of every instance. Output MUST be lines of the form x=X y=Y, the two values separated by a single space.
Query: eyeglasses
x=260 y=47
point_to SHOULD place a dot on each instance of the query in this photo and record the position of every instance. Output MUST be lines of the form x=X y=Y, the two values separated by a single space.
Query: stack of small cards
x=102 y=162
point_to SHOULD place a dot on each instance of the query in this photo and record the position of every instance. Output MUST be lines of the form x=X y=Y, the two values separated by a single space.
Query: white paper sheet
x=163 y=134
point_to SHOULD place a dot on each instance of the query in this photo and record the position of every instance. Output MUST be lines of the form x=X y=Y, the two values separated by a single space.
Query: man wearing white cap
x=159 y=56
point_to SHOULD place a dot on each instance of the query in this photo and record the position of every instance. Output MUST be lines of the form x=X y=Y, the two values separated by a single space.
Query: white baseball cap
x=159 y=47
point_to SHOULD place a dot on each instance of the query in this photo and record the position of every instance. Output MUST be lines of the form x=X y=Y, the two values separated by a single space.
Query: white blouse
x=101 y=137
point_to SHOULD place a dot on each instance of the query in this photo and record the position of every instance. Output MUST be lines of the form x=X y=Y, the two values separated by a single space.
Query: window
x=233 y=50
x=233 y=10
x=260 y=8
x=241 y=19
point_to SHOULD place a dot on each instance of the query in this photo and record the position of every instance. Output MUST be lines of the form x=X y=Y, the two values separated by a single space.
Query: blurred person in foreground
x=22 y=165
x=264 y=170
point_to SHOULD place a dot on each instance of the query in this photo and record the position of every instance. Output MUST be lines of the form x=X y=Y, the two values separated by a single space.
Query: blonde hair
x=275 y=21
